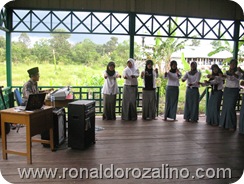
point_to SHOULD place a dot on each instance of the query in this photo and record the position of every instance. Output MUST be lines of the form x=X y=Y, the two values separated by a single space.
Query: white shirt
x=233 y=82
x=173 y=79
x=217 y=81
x=110 y=86
x=192 y=79
x=128 y=72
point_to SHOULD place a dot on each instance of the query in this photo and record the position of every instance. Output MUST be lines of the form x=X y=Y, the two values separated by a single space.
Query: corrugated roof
x=201 y=52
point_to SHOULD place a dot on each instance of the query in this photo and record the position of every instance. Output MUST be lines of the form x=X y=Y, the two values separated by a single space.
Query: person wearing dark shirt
x=149 y=91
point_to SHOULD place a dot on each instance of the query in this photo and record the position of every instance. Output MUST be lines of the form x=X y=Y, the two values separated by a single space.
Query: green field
x=79 y=75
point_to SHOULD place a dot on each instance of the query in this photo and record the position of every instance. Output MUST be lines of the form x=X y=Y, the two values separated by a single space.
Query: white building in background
x=200 y=55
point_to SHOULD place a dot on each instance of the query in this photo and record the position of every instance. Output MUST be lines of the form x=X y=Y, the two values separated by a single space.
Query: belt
x=131 y=85
x=192 y=87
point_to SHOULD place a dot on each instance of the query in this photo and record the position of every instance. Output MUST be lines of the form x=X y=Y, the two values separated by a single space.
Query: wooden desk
x=35 y=122
x=60 y=103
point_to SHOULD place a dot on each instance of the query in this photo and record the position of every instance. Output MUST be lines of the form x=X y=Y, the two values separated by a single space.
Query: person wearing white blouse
x=216 y=82
x=129 y=108
x=191 y=110
x=109 y=91
x=172 y=91
x=241 y=118
x=228 y=117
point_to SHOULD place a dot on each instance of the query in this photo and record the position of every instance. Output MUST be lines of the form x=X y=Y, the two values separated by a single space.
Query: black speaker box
x=81 y=124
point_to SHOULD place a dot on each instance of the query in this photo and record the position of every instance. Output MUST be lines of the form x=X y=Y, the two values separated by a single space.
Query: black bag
x=59 y=128
x=7 y=128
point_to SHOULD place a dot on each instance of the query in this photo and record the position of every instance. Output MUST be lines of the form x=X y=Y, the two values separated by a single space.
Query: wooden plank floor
x=136 y=145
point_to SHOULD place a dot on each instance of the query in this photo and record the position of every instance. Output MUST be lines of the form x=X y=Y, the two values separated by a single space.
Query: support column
x=236 y=39
x=132 y=33
x=8 y=48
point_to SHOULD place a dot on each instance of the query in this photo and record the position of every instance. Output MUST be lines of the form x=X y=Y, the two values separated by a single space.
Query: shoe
x=13 y=126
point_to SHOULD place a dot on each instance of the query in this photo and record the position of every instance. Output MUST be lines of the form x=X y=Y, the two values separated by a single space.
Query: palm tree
x=163 y=51
x=164 y=48
x=220 y=46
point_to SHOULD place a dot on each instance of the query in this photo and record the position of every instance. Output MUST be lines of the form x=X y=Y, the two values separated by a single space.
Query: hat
x=33 y=71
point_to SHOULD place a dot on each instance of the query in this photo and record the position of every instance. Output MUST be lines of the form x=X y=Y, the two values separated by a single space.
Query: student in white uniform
x=216 y=82
x=172 y=91
x=149 y=101
x=228 y=117
x=129 y=108
x=191 y=111
x=109 y=91
x=241 y=119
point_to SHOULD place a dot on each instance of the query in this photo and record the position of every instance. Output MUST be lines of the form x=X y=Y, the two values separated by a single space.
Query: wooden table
x=35 y=122
x=60 y=103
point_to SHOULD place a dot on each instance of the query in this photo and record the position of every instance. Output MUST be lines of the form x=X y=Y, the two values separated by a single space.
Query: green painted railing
x=95 y=93
x=8 y=98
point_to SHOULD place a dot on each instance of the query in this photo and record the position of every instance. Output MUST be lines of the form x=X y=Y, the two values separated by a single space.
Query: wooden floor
x=136 y=145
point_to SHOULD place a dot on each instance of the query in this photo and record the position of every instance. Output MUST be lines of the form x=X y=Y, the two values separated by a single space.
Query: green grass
x=78 y=75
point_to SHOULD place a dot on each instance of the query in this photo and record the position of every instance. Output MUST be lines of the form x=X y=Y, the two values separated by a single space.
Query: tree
x=85 y=52
x=195 y=42
x=2 y=49
x=25 y=40
x=163 y=50
x=110 y=46
x=43 y=51
x=60 y=44
x=219 y=46
x=121 y=53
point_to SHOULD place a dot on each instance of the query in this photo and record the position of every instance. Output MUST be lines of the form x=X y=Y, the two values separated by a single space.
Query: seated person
x=31 y=86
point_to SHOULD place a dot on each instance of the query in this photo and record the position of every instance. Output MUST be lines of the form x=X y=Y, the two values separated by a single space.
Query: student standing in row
x=241 y=119
x=172 y=91
x=109 y=91
x=130 y=74
x=214 y=102
x=228 y=117
x=149 y=91
x=191 y=111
